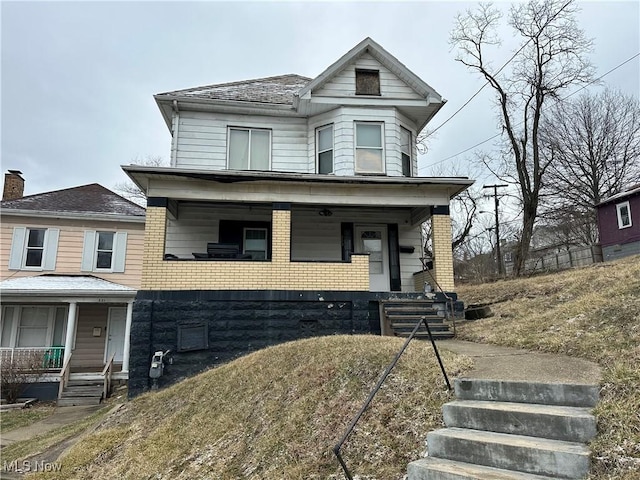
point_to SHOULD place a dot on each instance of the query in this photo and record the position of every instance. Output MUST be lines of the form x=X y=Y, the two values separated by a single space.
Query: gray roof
x=278 y=90
x=86 y=199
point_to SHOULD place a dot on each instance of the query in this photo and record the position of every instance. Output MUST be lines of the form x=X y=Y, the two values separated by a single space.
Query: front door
x=115 y=333
x=372 y=239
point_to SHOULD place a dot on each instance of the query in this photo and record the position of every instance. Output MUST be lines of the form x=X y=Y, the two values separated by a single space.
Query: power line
x=498 y=134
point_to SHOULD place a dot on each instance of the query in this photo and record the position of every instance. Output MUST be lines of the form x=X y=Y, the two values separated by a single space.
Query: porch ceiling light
x=325 y=212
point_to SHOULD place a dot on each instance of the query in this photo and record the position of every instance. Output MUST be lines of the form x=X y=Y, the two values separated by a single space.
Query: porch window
x=33 y=248
x=249 y=149
x=324 y=141
x=405 y=150
x=33 y=326
x=255 y=243
x=624 y=215
x=369 y=151
x=104 y=251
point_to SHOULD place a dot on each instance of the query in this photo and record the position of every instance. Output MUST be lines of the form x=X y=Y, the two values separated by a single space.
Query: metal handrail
x=338 y=446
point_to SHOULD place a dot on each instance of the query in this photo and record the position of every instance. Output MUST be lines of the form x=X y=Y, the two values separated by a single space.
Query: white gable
x=343 y=83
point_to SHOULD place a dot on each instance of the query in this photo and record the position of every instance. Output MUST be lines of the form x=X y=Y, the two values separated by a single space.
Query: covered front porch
x=274 y=231
x=66 y=327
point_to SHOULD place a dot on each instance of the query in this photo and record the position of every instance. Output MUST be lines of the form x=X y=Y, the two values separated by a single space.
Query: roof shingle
x=88 y=199
x=278 y=90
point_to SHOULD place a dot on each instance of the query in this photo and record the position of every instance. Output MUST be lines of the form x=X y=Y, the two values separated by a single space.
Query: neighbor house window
x=405 y=150
x=324 y=141
x=369 y=150
x=33 y=326
x=104 y=251
x=255 y=243
x=33 y=248
x=249 y=149
x=367 y=82
x=624 y=215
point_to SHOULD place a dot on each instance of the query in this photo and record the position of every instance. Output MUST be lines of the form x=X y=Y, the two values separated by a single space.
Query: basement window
x=367 y=82
x=193 y=336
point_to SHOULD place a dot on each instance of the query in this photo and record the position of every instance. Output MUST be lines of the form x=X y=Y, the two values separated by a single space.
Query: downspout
x=175 y=122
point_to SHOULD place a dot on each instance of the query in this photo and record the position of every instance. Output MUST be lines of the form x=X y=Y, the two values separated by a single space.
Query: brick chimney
x=13 y=185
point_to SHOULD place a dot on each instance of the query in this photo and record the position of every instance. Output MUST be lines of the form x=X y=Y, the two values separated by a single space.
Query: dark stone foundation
x=239 y=322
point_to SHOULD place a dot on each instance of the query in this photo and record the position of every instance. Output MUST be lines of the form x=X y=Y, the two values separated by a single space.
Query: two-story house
x=291 y=207
x=70 y=266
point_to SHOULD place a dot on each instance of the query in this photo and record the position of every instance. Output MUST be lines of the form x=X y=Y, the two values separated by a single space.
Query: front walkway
x=505 y=363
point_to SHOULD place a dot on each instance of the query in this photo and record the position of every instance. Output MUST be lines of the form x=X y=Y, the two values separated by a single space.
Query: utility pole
x=497 y=202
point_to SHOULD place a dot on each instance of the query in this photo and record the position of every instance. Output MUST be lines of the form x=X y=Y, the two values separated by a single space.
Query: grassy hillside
x=593 y=313
x=276 y=414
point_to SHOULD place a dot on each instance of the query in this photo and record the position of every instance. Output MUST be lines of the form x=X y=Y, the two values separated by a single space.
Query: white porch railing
x=36 y=358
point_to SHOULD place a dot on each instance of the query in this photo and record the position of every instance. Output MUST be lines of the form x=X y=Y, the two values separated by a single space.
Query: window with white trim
x=324 y=142
x=33 y=325
x=104 y=251
x=405 y=151
x=255 y=243
x=624 y=215
x=369 y=151
x=33 y=248
x=249 y=149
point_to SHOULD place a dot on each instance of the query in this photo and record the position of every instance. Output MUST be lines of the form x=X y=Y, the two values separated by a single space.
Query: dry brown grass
x=276 y=414
x=593 y=313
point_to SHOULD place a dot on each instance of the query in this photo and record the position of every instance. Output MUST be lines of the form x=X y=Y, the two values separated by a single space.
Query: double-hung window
x=33 y=326
x=369 y=153
x=405 y=151
x=249 y=148
x=33 y=248
x=104 y=251
x=624 y=215
x=324 y=142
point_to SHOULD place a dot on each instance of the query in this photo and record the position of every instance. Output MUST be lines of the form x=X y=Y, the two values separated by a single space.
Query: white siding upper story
x=202 y=139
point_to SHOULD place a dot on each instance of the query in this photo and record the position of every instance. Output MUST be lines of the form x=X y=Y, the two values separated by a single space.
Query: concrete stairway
x=81 y=392
x=402 y=316
x=501 y=430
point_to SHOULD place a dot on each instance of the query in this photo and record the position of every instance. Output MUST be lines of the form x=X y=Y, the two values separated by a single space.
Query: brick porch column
x=281 y=233
x=441 y=240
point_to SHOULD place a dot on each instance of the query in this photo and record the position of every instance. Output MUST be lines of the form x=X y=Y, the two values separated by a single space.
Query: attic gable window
x=367 y=82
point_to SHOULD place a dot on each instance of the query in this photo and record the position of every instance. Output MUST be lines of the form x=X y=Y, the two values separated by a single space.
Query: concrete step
x=434 y=327
x=571 y=424
x=414 y=318
x=425 y=335
x=440 y=469
x=533 y=455
x=571 y=395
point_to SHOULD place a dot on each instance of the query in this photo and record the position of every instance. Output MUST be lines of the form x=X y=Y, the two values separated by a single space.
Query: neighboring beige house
x=292 y=207
x=70 y=266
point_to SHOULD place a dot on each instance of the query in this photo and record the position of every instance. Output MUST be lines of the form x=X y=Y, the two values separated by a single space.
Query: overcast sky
x=78 y=78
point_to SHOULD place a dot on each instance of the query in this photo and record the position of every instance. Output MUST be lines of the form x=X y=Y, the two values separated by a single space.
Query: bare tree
x=16 y=374
x=128 y=189
x=551 y=59
x=592 y=145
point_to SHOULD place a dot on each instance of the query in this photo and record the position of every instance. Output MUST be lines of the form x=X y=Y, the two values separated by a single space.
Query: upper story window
x=324 y=142
x=405 y=149
x=104 y=251
x=33 y=248
x=367 y=82
x=624 y=215
x=369 y=156
x=249 y=149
